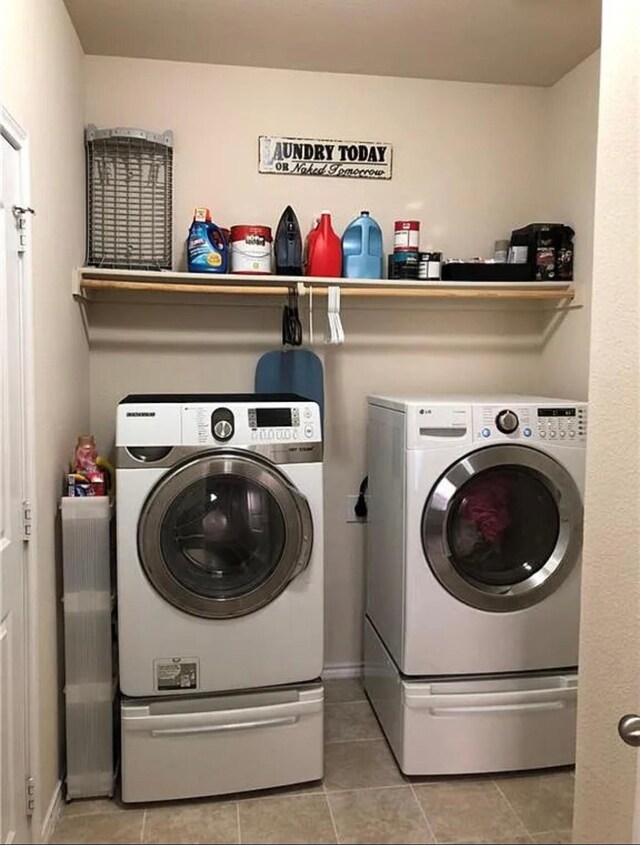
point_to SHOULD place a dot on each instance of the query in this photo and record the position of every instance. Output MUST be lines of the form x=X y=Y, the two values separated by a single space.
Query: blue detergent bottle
x=207 y=247
x=362 y=252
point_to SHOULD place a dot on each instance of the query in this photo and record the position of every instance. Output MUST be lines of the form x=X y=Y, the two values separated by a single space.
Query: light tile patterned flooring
x=363 y=799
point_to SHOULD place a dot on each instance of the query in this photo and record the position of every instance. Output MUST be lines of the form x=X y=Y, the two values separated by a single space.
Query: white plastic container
x=89 y=681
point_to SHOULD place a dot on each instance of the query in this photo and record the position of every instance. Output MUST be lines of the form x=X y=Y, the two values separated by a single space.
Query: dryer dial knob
x=507 y=422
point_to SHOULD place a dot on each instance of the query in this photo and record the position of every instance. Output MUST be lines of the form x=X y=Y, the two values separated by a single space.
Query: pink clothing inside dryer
x=486 y=505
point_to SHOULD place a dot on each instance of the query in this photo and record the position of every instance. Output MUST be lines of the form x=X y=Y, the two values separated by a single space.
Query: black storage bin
x=474 y=271
x=549 y=249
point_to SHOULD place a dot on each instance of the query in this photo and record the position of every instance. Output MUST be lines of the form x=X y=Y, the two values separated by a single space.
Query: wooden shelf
x=92 y=279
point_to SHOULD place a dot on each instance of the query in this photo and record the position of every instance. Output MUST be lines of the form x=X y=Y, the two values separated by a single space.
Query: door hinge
x=27 y=520
x=30 y=795
x=20 y=213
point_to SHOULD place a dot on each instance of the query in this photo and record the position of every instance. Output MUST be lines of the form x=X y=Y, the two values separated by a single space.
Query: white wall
x=467 y=163
x=606 y=789
x=42 y=86
x=570 y=173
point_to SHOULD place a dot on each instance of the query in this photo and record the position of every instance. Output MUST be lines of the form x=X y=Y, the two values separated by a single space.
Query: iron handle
x=629 y=729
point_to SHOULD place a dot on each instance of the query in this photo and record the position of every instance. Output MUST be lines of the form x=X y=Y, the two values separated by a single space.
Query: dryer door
x=502 y=528
x=222 y=534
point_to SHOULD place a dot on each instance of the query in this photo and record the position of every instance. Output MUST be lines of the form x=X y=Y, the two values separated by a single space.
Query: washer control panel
x=246 y=424
x=563 y=424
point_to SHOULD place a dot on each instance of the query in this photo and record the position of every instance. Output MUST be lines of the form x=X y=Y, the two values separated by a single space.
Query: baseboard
x=342 y=670
x=51 y=816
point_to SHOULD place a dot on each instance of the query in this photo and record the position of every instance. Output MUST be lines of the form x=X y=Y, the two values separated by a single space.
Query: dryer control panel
x=564 y=424
x=443 y=424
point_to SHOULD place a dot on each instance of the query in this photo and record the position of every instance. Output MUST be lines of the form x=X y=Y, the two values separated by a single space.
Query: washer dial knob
x=222 y=424
x=507 y=421
x=222 y=430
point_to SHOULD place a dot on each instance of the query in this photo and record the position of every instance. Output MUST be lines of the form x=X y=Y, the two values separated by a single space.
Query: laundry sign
x=314 y=157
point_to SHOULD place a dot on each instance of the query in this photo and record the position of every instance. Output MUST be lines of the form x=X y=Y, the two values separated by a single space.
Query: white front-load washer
x=220 y=592
x=473 y=590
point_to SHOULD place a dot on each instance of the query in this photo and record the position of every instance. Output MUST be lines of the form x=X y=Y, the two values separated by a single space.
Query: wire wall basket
x=129 y=198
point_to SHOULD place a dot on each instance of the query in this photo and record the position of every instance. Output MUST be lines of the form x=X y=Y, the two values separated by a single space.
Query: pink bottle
x=86 y=454
x=85 y=462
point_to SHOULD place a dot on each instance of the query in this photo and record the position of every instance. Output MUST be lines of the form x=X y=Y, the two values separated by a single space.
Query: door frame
x=17 y=137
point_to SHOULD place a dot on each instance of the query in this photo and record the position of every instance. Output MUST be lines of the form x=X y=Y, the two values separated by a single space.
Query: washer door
x=502 y=527
x=221 y=535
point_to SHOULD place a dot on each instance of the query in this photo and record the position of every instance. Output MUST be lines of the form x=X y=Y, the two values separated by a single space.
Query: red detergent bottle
x=324 y=256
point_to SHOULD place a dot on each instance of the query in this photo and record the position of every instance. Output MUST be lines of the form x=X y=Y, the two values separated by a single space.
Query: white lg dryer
x=220 y=591
x=473 y=592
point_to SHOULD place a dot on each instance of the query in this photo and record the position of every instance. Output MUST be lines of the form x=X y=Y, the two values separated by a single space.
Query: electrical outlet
x=351 y=514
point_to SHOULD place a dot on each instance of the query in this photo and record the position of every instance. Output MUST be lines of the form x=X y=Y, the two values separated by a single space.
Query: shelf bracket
x=83 y=303
x=76 y=283
x=81 y=296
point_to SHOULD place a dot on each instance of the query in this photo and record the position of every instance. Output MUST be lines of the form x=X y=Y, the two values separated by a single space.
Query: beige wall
x=471 y=162
x=467 y=163
x=610 y=636
x=466 y=155
x=42 y=86
x=570 y=180
x=156 y=348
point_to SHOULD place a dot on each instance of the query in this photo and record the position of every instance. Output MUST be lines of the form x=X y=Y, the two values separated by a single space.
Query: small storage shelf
x=92 y=280
x=88 y=648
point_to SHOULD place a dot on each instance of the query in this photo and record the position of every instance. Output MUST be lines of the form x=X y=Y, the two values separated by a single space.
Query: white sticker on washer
x=196 y=425
x=176 y=673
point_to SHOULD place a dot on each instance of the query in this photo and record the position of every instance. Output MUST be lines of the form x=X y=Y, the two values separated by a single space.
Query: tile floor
x=363 y=799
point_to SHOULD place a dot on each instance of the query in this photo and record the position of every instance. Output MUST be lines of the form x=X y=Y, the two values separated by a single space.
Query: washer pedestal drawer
x=442 y=726
x=189 y=747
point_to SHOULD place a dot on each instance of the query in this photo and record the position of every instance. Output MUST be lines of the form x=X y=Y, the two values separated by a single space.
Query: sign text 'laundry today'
x=315 y=157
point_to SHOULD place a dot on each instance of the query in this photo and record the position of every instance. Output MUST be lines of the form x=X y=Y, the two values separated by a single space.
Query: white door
x=14 y=825
x=629 y=731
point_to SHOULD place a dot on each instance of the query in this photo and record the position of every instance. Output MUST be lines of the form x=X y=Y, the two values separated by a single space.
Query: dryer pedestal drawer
x=231 y=743
x=471 y=725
